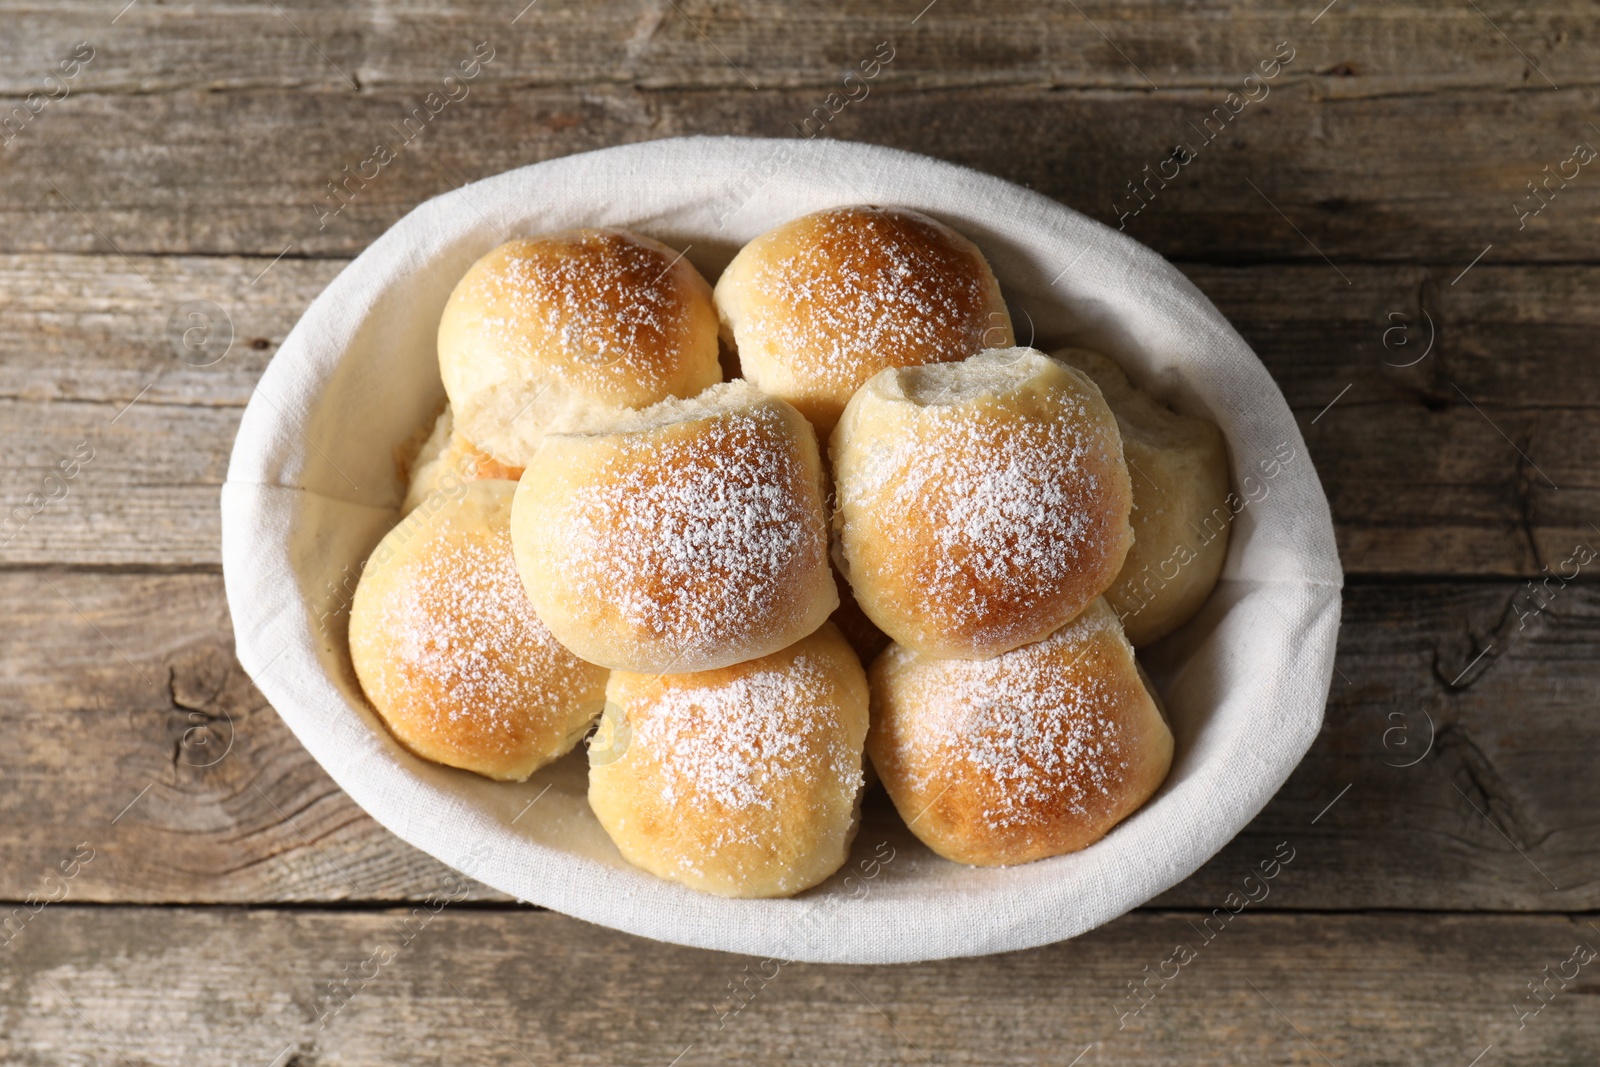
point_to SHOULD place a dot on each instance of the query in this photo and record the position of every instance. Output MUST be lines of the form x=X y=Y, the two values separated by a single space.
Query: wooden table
x=1367 y=224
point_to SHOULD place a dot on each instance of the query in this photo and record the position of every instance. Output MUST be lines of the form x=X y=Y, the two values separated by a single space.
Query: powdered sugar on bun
x=741 y=781
x=554 y=332
x=1034 y=753
x=449 y=650
x=693 y=535
x=981 y=505
x=822 y=303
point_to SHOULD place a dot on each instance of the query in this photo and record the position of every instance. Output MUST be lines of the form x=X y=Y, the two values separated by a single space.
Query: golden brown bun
x=449 y=650
x=447 y=459
x=981 y=504
x=1035 y=753
x=556 y=332
x=1178 y=465
x=742 y=781
x=692 y=535
x=822 y=303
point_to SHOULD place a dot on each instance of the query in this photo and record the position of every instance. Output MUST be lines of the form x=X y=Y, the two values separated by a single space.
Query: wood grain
x=104 y=330
x=1451 y=418
x=108 y=703
x=1301 y=175
x=1448 y=757
x=179 y=986
x=1369 y=49
x=134 y=730
x=1472 y=460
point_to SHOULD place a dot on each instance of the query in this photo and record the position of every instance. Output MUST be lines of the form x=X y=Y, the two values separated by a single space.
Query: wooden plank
x=141 y=986
x=1450 y=417
x=1369 y=49
x=1421 y=481
x=95 y=482
x=132 y=728
x=1448 y=767
x=95 y=678
x=1300 y=175
x=100 y=357
x=104 y=330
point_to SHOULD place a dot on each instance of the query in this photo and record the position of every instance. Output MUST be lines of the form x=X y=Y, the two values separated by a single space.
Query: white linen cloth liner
x=312 y=486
